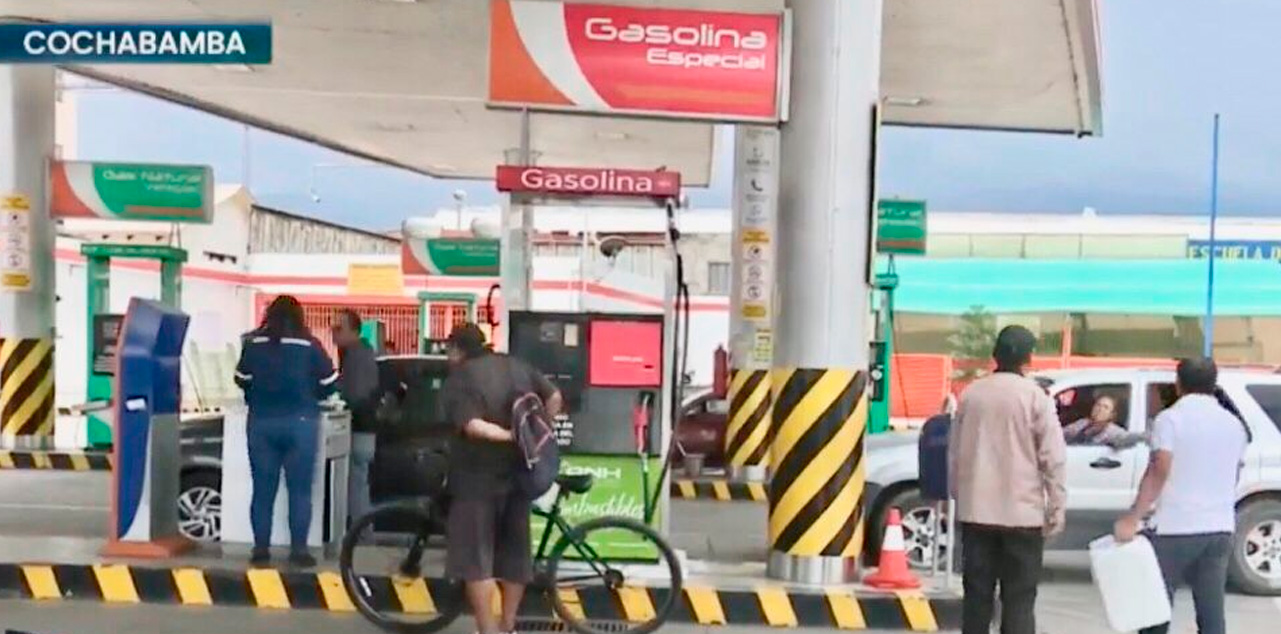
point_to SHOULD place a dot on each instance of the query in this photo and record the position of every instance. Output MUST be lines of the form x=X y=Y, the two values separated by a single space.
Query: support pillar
x=27 y=114
x=827 y=192
x=751 y=345
x=516 y=262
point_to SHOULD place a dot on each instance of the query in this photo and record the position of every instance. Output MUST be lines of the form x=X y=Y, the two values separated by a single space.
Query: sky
x=1168 y=67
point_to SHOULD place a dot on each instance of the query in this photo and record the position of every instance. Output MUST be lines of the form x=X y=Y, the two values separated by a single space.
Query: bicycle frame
x=554 y=520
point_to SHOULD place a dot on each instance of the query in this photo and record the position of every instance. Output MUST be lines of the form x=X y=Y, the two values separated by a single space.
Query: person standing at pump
x=358 y=385
x=285 y=373
x=488 y=528
x=1198 y=445
x=1006 y=469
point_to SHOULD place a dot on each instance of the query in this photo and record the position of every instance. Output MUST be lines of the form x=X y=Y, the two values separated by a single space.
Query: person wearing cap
x=487 y=531
x=1007 y=471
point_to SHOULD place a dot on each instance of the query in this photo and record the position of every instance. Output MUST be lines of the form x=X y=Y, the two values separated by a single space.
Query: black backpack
x=539 y=455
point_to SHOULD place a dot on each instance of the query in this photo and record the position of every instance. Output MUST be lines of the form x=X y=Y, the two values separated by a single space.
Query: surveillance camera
x=460 y=195
x=315 y=198
x=611 y=246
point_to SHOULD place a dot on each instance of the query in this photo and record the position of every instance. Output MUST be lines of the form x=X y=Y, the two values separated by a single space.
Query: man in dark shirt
x=488 y=531
x=358 y=385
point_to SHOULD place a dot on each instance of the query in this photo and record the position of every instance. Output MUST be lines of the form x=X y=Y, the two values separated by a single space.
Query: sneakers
x=260 y=558
x=302 y=560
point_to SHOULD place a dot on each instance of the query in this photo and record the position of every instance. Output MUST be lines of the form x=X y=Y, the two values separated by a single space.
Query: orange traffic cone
x=893 y=573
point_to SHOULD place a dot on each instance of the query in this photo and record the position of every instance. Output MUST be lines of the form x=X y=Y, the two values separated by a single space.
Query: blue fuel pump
x=147 y=402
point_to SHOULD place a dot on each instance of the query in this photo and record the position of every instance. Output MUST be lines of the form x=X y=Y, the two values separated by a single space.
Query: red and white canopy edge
x=404 y=83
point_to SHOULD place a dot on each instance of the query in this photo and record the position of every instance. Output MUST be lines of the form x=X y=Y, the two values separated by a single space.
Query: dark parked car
x=411 y=450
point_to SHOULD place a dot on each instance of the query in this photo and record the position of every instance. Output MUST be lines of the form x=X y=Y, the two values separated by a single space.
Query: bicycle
x=408 y=601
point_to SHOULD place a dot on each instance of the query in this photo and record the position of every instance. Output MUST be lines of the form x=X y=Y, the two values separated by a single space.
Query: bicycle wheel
x=392 y=566
x=590 y=594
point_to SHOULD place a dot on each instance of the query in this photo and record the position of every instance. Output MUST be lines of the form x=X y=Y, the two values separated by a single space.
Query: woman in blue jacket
x=285 y=373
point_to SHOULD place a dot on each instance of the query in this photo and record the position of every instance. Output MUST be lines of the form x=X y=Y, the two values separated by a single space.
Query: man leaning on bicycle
x=488 y=526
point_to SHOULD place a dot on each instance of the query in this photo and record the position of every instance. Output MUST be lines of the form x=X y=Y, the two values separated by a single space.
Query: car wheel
x=1255 y=565
x=200 y=506
x=919 y=532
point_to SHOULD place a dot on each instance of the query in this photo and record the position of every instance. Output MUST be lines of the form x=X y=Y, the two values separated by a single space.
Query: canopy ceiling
x=403 y=81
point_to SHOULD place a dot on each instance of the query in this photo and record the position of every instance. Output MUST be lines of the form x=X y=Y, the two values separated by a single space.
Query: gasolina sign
x=131 y=191
x=640 y=60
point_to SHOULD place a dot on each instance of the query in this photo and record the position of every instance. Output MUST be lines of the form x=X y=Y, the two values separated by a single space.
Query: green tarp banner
x=1134 y=287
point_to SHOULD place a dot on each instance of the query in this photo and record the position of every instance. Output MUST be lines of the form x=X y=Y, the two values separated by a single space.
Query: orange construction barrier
x=893 y=573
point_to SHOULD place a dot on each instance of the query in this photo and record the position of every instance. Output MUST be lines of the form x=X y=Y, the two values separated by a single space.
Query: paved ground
x=37 y=508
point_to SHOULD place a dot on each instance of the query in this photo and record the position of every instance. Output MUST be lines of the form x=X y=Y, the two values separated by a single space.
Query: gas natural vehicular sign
x=636 y=60
x=131 y=191
x=576 y=181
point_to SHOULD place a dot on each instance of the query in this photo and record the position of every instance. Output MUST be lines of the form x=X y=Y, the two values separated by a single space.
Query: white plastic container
x=1129 y=580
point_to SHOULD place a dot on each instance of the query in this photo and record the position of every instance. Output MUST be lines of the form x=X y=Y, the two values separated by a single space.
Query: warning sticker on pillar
x=816 y=493
x=15 y=243
x=26 y=387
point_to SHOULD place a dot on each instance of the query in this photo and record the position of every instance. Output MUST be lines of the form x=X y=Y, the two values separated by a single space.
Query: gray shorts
x=488 y=538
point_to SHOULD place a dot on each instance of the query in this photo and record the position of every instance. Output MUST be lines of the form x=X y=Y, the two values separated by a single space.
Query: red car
x=702 y=428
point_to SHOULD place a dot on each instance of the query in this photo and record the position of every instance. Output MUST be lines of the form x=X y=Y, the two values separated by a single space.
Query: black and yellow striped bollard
x=747 y=435
x=816 y=491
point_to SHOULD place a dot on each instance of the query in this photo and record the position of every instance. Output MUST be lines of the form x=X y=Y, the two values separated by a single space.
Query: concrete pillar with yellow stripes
x=27 y=116
x=819 y=380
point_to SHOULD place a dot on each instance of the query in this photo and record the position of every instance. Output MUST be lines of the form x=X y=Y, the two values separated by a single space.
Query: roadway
x=38 y=506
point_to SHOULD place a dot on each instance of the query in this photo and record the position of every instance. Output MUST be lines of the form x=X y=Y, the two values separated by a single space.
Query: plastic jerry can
x=1129 y=580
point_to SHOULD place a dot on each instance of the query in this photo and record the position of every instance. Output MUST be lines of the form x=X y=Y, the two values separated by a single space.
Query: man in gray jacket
x=358 y=385
x=1007 y=470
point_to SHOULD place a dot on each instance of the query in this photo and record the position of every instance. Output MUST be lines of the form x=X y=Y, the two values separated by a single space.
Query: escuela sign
x=1236 y=249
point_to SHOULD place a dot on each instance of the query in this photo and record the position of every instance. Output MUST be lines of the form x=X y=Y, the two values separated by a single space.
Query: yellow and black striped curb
x=26 y=387
x=747 y=433
x=282 y=590
x=816 y=491
x=720 y=490
x=56 y=460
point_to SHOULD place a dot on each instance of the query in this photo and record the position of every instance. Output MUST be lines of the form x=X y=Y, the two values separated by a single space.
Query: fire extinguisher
x=720 y=372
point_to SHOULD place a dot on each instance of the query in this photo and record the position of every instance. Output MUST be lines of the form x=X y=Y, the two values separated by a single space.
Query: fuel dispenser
x=610 y=369
x=147 y=452
x=882 y=352
x=104 y=325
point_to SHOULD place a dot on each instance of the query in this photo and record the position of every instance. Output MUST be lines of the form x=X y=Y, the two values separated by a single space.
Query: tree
x=971 y=343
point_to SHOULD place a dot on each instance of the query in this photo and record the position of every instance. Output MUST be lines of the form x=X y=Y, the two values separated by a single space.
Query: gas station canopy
x=403 y=82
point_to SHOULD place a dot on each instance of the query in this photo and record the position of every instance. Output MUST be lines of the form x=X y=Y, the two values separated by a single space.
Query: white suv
x=1102 y=481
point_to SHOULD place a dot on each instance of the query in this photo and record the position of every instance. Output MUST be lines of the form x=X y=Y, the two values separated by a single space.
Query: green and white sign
x=900 y=227
x=131 y=191
x=464 y=257
x=617 y=491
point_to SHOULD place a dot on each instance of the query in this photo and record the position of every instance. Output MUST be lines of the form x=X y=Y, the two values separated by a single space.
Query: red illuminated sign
x=574 y=181
x=615 y=59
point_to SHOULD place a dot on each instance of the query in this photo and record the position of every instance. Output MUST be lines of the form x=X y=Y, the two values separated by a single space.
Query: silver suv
x=1102 y=481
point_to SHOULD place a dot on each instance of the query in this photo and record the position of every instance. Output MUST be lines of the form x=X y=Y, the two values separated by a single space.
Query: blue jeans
x=289 y=443
x=363 y=448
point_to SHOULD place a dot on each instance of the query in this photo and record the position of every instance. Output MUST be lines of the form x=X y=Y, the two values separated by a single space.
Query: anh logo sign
x=576 y=181
x=618 y=60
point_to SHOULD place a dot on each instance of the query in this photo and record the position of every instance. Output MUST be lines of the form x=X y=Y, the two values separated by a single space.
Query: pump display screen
x=626 y=354
x=106 y=339
x=555 y=344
